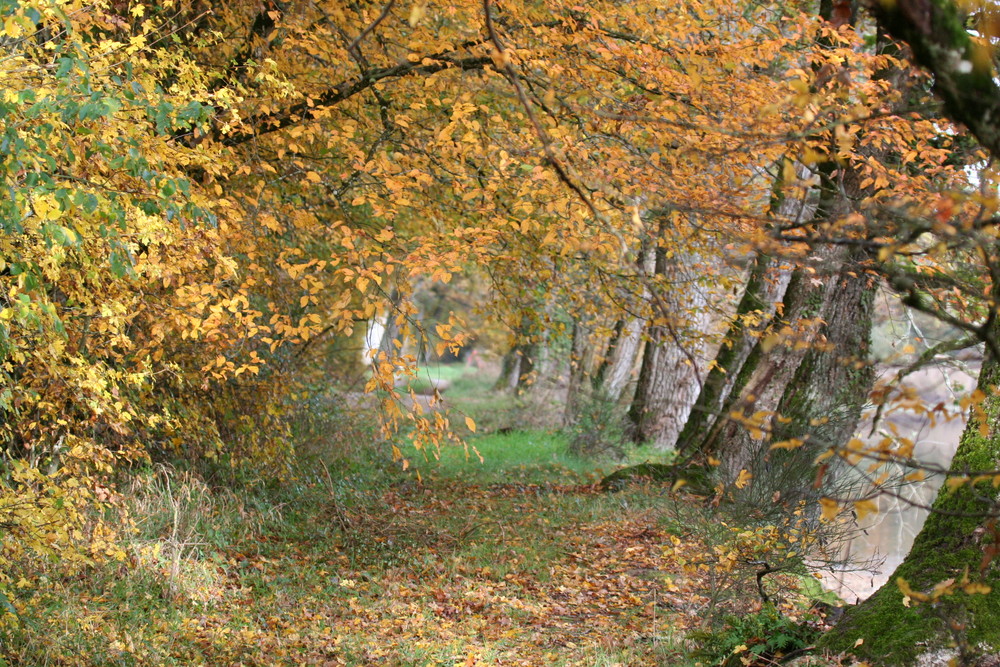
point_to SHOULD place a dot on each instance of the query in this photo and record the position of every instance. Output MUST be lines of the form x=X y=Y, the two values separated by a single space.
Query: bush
x=753 y=639
x=597 y=428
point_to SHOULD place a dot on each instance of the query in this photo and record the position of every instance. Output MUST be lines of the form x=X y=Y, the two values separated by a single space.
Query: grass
x=515 y=560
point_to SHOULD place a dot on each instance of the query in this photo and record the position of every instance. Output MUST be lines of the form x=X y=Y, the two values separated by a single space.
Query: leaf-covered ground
x=519 y=561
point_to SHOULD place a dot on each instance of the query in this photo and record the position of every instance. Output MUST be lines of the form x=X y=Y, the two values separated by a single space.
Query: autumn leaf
x=865 y=507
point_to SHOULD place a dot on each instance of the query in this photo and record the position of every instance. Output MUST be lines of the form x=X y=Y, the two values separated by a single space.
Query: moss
x=695 y=478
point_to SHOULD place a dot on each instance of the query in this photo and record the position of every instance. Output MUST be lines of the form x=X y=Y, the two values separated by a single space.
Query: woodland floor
x=520 y=560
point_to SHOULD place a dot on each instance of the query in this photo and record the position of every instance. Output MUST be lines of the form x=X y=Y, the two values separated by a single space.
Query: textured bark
x=738 y=355
x=618 y=372
x=615 y=370
x=510 y=367
x=764 y=287
x=815 y=376
x=767 y=373
x=669 y=381
x=577 y=372
x=390 y=345
x=822 y=388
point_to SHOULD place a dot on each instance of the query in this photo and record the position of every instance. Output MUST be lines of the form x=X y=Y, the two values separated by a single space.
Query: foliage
x=599 y=427
x=353 y=564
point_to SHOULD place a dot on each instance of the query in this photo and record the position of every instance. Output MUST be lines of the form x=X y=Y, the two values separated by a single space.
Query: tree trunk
x=510 y=370
x=390 y=345
x=623 y=349
x=615 y=371
x=959 y=540
x=577 y=372
x=765 y=288
x=723 y=378
x=669 y=379
x=817 y=393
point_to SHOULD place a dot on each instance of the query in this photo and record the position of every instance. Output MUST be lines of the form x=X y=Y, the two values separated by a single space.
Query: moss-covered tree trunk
x=814 y=376
x=822 y=399
x=739 y=354
x=953 y=544
x=959 y=537
x=723 y=377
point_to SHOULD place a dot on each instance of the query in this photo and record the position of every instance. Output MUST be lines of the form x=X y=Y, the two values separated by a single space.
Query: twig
x=371 y=26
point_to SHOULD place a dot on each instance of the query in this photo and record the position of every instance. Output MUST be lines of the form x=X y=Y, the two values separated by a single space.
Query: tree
x=940 y=594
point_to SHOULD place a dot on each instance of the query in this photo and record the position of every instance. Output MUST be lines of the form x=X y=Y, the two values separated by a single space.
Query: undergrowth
x=346 y=559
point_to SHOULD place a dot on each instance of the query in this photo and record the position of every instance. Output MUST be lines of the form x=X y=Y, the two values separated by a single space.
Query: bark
x=615 y=371
x=510 y=370
x=518 y=369
x=723 y=378
x=738 y=355
x=623 y=350
x=669 y=379
x=811 y=368
x=823 y=388
x=577 y=372
x=391 y=345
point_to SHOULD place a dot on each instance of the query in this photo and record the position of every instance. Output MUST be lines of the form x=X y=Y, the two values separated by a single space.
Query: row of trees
x=205 y=203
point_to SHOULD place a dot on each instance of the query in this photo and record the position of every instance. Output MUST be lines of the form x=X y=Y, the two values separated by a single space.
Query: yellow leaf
x=743 y=479
x=954 y=482
x=792 y=443
x=470 y=424
x=865 y=507
x=788 y=174
x=12 y=28
x=830 y=508
x=396 y=454
x=904 y=587
x=976 y=587
x=313 y=176
x=417 y=12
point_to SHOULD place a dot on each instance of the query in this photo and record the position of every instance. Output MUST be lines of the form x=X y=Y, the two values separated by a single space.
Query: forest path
x=455 y=573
